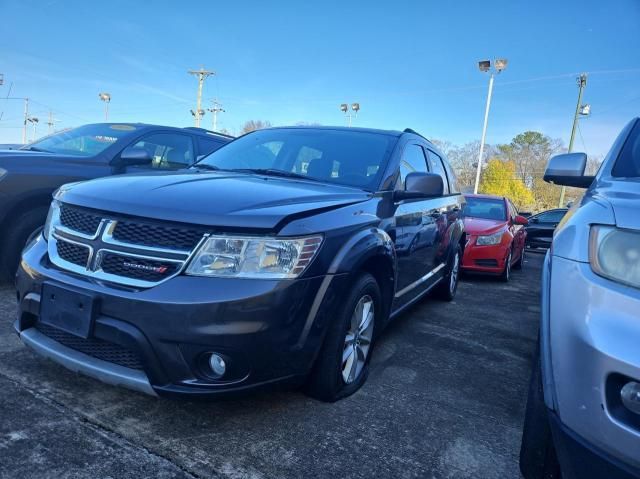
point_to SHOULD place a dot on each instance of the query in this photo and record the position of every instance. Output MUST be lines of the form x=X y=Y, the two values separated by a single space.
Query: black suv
x=272 y=259
x=29 y=175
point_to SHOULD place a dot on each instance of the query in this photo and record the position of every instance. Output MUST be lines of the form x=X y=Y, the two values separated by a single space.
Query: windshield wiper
x=33 y=148
x=276 y=172
x=205 y=166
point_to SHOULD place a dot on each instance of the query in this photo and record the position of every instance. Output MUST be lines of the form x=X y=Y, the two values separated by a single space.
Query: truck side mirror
x=568 y=170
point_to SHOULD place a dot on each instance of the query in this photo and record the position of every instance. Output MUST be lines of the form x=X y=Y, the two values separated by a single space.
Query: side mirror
x=521 y=220
x=568 y=170
x=132 y=156
x=421 y=185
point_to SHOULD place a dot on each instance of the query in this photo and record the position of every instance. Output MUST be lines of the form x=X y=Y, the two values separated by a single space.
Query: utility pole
x=52 y=122
x=26 y=117
x=217 y=108
x=582 y=83
x=202 y=75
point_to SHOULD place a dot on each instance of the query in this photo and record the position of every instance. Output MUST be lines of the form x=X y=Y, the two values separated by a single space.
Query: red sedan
x=495 y=235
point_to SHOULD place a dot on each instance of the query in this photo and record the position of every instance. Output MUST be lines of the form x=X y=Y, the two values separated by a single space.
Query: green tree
x=499 y=178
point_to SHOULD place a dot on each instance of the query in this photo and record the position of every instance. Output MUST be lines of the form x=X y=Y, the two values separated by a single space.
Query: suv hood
x=219 y=199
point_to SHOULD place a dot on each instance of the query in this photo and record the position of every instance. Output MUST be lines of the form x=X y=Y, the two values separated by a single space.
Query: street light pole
x=484 y=135
x=499 y=64
x=582 y=83
x=106 y=98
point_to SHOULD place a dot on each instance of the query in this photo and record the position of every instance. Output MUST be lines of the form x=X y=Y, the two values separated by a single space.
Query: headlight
x=254 y=257
x=488 y=240
x=54 y=211
x=615 y=254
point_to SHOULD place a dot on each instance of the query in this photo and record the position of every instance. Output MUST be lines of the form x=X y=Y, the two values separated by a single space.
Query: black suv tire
x=446 y=289
x=326 y=382
x=22 y=229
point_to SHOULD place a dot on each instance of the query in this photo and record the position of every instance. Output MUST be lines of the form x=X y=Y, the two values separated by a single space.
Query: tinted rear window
x=628 y=164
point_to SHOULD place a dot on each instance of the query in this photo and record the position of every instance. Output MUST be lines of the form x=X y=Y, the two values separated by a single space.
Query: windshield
x=628 y=163
x=352 y=158
x=485 y=208
x=88 y=140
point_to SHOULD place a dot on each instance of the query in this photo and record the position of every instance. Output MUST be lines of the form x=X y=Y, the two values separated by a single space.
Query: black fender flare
x=362 y=246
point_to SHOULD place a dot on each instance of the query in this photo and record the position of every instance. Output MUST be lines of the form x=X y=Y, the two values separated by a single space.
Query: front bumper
x=581 y=460
x=485 y=259
x=594 y=331
x=267 y=330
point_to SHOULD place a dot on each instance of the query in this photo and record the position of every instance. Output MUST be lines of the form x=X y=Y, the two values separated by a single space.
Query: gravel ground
x=445 y=399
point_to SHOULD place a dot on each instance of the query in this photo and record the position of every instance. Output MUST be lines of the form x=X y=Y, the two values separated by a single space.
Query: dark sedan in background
x=29 y=175
x=541 y=227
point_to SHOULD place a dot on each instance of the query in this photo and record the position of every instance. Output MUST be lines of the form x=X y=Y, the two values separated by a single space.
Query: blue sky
x=408 y=63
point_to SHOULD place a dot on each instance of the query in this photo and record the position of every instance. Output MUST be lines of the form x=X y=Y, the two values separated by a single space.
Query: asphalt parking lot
x=445 y=399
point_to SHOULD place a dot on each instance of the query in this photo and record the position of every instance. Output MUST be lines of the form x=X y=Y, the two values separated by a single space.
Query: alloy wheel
x=357 y=342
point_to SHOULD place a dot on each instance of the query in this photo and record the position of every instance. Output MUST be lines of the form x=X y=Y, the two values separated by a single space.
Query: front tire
x=20 y=231
x=342 y=366
x=538 y=458
x=506 y=274
x=448 y=286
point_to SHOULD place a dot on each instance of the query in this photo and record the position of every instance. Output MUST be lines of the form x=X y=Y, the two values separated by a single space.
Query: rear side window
x=413 y=161
x=628 y=164
x=168 y=150
x=438 y=167
x=207 y=145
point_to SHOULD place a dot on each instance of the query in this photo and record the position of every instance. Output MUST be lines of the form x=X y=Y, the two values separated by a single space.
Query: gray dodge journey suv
x=273 y=259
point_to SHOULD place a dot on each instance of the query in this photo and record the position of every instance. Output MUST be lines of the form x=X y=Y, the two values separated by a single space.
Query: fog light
x=217 y=364
x=630 y=395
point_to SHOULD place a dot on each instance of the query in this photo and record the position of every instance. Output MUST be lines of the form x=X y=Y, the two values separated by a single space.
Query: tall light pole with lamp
x=355 y=107
x=485 y=66
x=106 y=98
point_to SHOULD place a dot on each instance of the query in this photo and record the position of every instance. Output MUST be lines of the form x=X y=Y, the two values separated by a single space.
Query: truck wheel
x=343 y=362
x=506 y=273
x=23 y=229
x=537 y=455
x=446 y=289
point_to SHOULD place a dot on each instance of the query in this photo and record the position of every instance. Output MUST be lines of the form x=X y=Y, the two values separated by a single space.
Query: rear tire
x=448 y=286
x=24 y=228
x=342 y=365
x=537 y=454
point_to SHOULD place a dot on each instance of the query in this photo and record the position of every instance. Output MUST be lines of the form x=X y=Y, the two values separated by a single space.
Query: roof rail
x=409 y=130
x=208 y=132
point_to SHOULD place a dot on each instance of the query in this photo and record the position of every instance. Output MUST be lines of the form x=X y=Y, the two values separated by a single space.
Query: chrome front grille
x=125 y=251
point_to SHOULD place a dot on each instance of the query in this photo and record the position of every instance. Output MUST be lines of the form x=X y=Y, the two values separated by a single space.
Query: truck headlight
x=489 y=240
x=615 y=254
x=54 y=212
x=254 y=257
